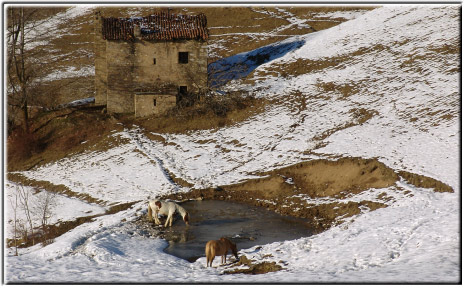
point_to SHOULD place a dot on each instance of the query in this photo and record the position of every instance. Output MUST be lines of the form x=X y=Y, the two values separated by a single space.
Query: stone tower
x=144 y=65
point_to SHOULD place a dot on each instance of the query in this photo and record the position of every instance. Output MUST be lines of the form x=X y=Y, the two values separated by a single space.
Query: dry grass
x=208 y=114
x=447 y=49
x=425 y=182
x=73 y=48
x=303 y=66
x=58 y=134
x=360 y=116
x=22 y=145
x=251 y=20
x=343 y=90
x=434 y=54
x=48 y=186
x=253 y=268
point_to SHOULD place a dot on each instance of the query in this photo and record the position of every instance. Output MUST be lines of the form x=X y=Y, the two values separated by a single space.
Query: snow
x=66 y=209
x=349 y=15
x=387 y=245
x=80 y=102
x=70 y=72
x=416 y=238
x=50 y=29
x=107 y=176
x=395 y=244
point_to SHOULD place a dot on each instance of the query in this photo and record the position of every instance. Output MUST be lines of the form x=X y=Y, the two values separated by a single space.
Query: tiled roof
x=159 y=26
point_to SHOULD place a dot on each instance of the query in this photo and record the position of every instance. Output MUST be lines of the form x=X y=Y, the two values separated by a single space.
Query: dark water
x=245 y=225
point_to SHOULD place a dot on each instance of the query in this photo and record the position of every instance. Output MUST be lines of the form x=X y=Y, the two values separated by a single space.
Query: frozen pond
x=245 y=225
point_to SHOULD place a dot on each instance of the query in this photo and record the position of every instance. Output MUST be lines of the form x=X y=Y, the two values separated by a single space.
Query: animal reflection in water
x=219 y=248
x=167 y=209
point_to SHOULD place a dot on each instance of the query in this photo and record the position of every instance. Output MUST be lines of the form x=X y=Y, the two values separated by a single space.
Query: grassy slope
x=232 y=30
x=62 y=135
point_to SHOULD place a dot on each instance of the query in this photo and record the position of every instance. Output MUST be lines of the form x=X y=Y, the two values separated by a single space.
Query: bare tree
x=14 y=207
x=45 y=206
x=25 y=204
x=19 y=74
x=28 y=60
x=37 y=210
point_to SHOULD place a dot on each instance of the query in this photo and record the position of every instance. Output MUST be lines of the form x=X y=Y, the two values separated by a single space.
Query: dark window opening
x=183 y=57
x=155 y=102
x=155 y=61
x=183 y=89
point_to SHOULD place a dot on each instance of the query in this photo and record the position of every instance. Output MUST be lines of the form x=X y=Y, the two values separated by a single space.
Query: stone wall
x=121 y=71
x=167 y=69
x=152 y=104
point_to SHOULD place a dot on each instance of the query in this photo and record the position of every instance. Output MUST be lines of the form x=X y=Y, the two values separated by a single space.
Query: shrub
x=194 y=105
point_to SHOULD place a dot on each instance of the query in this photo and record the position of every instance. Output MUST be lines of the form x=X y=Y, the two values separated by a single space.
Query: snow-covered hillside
x=384 y=85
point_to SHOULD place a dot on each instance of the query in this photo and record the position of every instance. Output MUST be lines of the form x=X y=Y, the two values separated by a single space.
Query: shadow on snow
x=240 y=65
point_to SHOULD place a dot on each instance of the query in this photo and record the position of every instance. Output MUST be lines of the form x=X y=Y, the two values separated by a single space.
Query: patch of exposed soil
x=253 y=268
x=285 y=190
x=425 y=182
x=282 y=190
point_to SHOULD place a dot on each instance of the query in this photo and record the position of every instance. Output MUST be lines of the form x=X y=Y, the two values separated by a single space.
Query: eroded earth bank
x=289 y=190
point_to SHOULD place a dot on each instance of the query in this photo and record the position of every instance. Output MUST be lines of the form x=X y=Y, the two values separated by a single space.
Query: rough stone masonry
x=145 y=65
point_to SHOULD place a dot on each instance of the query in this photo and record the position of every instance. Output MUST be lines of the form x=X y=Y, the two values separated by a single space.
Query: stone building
x=145 y=65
